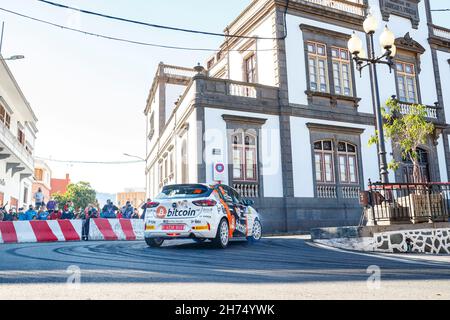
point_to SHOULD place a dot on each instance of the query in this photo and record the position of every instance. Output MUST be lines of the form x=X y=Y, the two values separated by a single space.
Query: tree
x=81 y=194
x=60 y=198
x=407 y=131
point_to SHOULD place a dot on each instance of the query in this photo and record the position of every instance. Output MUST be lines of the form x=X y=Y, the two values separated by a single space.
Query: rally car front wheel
x=256 y=232
x=154 y=242
x=223 y=235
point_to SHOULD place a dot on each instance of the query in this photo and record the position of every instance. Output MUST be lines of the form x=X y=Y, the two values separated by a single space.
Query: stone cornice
x=331 y=128
x=247 y=120
x=332 y=33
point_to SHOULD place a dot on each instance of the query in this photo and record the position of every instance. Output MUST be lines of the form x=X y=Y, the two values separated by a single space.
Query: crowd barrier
x=116 y=229
x=71 y=230
x=40 y=231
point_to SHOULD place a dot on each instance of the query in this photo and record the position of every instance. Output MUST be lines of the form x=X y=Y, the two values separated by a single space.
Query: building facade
x=17 y=137
x=42 y=179
x=289 y=115
x=59 y=185
x=135 y=196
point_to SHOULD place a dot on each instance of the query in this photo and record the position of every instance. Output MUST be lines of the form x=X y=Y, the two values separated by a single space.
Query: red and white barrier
x=116 y=229
x=40 y=231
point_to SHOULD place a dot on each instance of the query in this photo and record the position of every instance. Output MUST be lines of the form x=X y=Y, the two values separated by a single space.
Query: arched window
x=323 y=159
x=245 y=160
x=408 y=167
x=348 y=168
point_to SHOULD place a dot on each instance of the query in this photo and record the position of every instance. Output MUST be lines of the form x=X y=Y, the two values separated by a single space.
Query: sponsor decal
x=162 y=212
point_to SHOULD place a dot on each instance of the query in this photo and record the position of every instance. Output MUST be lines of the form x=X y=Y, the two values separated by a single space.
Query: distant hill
x=102 y=197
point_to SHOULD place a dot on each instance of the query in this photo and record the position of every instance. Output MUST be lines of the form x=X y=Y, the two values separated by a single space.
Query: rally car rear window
x=184 y=191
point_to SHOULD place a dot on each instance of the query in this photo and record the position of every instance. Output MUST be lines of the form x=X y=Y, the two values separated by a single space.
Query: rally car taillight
x=204 y=203
x=152 y=204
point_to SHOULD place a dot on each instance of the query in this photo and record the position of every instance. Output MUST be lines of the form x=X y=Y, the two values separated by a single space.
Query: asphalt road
x=274 y=268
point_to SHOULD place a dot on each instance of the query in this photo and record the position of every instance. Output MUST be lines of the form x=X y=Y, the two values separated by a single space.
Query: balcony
x=353 y=7
x=439 y=37
x=432 y=111
x=235 y=94
x=440 y=32
x=10 y=142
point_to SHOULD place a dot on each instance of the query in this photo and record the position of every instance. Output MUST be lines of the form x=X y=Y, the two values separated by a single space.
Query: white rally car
x=200 y=212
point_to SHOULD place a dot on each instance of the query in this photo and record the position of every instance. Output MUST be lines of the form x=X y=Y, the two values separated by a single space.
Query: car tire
x=223 y=235
x=154 y=242
x=256 y=232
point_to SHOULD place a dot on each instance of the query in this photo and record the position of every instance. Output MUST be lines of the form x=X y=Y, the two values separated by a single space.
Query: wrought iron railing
x=407 y=202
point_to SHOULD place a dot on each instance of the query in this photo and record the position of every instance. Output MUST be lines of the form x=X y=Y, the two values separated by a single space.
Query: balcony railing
x=432 y=112
x=12 y=143
x=356 y=7
x=350 y=192
x=405 y=108
x=247 y=190
x=241 y=90
x=179 y=71
x=331 y=191
x=407 y=202
x=441 y=32
x=325 y=191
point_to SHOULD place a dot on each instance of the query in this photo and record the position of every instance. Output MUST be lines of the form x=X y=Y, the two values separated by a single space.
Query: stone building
x=17 y=136
x=285 y=110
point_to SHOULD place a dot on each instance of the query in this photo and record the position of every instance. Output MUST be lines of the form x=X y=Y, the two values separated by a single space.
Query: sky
x=89 y=93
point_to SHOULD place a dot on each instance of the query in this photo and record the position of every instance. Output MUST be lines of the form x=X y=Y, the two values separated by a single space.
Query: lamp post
x=362 y=60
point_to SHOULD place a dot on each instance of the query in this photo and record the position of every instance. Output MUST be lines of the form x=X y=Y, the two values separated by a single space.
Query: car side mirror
x=248 y=202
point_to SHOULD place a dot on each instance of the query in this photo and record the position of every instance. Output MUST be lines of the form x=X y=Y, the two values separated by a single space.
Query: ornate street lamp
x=355 y=46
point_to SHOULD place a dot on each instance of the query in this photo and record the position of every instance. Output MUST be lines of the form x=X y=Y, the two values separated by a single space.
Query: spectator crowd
x=53 y=210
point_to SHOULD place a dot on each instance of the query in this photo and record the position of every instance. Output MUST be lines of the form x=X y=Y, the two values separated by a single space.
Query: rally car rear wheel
x=154 y=242
x=223 y=235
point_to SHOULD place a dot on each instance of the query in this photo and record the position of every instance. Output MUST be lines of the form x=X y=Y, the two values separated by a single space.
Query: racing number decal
x=161 y=212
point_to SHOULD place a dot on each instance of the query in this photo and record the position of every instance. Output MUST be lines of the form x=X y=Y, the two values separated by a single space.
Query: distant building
x=42 y=177
x=102 y=198
x=17 y=136
x=135 y=196
x=60 y=185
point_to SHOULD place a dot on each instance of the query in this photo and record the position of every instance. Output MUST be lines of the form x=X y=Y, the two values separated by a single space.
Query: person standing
x=30 y=214
x=109 y=210
x=42 y=214
x=67 y=214
x=51 y=205
x=39 y=198
x=127 y=210
x=144 y=207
